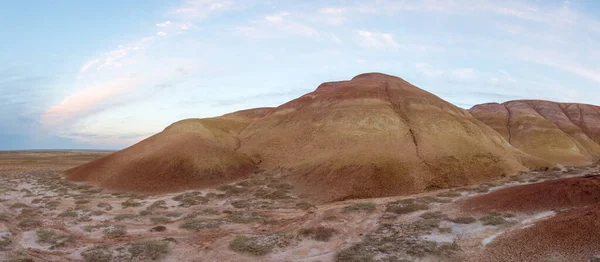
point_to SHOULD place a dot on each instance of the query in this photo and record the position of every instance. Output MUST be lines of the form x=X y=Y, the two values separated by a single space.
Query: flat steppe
x=261 y=218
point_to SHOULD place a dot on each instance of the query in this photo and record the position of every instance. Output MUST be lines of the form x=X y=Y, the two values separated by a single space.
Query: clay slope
x=561 y=133
x=191 y=153
x=377 y=135
x=548 y=195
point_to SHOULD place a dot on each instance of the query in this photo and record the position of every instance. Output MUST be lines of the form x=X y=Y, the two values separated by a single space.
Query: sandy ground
x=45 y=218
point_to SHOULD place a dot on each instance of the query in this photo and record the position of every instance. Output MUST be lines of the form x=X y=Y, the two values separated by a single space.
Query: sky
x=107 y=74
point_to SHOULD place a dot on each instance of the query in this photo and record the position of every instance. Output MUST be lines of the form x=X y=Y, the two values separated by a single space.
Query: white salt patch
x=538 y=216
x=438 y=238
x=29 y=241
x=489 y=239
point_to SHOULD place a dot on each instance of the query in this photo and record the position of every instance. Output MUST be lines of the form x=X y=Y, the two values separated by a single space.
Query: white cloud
x=194 y=9
x=464 y=73
x=428 y=70
x=161 y=33
x=333 y=16
x=164 y=24
x=88 y=65
x=376 y=40
x=282 y=22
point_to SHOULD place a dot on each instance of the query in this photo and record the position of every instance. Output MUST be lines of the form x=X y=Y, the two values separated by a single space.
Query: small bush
x=158 y=220
x=492 y=220
x=406 y=208
x=173 y=214
x=158 y=229
x=149 y=249
x=130 y=203
x=260 y=245
x=244 y=217
x=191 y=199
x=5 y=241
x=115 y=231
x=18 y=205
x=68 y=214
x=241 y=203
x=304 y=205
x=319 y=233
x=463 y=220
x=121 y=217
x=99 y=253
x=160 y=204
x=436 y=215
x=82 y=201
x=4 y=217
x=106 y=206
x=449 y=194
x=200 y=224
x=360 y=207
x=53 y=238
x=29 y=223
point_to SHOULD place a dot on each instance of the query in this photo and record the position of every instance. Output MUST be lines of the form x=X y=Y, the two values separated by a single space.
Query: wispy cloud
x=194 y=9
x=376 y=40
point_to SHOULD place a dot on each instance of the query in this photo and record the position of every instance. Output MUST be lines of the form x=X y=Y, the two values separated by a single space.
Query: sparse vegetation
x=121 y=217
x=5 y=240
x=18 y=205
x=200 y=224
x=158 y=220
x=149 y=249
x=406 y=206
x=53 y=238
x=99 y=253
x=115 y=231
x=191 y=199
x=449 y=194
x=243 y=217
x=434 y=215
x=492 y=220
x=4 y=217
x=160 y=204
x=319 y=233
x=130 y=203
x=367 y=207
x=29 y=223
x=82 y=201
x=260 y=245
x=304 y=205
x=463 y=220
x=69 y=213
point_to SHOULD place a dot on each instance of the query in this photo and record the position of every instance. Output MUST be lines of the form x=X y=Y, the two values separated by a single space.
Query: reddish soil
x=553 y=194
x=571 y=236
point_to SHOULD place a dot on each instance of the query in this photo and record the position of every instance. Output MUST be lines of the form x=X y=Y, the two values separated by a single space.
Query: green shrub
x=29 y=223
x=121 y=217
x=449 y=194
x=492 y=220
x=244 y=217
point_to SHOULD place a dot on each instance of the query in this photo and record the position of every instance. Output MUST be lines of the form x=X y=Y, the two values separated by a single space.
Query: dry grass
x=463 y=220
x=99 y=253
x=244 y=217
x=261 y=245
x=53 y=238
x=319 y=233
x=367 y=207
x=201 y=224
x=115 y=231
x=149 y=250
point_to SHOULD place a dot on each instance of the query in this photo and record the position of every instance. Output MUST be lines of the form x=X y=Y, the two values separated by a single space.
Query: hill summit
x=372 y=136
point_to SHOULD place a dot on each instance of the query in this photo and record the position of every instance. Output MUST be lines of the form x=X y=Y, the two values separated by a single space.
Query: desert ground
x=46 y=218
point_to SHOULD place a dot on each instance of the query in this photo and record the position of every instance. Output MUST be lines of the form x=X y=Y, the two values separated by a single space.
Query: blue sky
x=106 y=74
